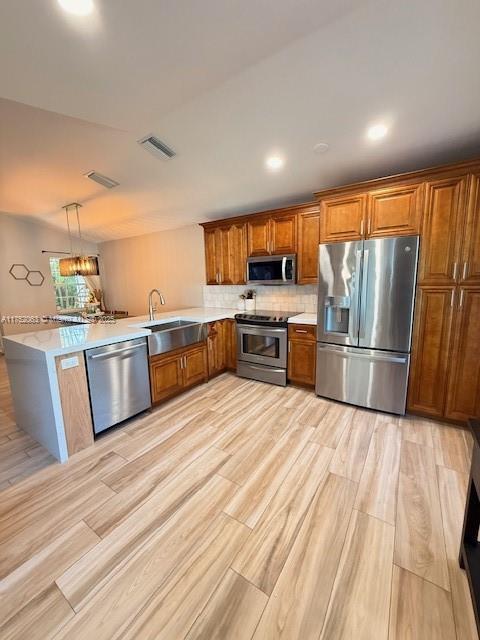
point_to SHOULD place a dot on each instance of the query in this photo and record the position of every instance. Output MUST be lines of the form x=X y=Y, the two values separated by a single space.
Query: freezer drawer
x=363 y=377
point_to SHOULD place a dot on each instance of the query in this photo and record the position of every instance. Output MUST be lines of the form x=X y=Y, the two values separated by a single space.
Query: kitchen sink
x=173 y=335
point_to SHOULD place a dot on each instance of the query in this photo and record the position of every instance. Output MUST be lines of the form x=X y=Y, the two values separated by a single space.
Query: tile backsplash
x=302 y=298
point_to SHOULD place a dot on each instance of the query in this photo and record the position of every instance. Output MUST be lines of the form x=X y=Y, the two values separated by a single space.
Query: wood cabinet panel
x=75 y=401
x=211 y=255
x=216 y=344
x=283 y=234
x=430 y=350
x=195 y=366
x=303 y=332
x=308 y=241
x=342 y=218
x=166 y=377
x=442 y=231
x=463 y=399
x=302 y=361
x=395 y=211
x=470 y=260
x=258 y=236
x=231 y=344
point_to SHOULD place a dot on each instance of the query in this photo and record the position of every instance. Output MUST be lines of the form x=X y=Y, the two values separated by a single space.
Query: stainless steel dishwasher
x=118 y=381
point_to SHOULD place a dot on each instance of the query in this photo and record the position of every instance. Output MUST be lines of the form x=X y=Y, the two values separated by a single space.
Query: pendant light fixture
x=80 y=264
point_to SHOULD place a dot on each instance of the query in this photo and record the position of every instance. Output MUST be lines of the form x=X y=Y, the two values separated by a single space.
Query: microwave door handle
x=284 y=268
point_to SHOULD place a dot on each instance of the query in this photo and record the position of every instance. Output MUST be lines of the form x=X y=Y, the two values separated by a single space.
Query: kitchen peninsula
x=40 y=363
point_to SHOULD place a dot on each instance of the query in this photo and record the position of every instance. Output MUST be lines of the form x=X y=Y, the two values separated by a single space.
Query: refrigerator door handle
x=355 y=298
x=363 y=298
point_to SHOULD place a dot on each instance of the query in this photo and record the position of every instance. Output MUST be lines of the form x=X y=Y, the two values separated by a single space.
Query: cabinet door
x=395 y=211
x=238 y=245
x=212 y=248
x=301 y=362
x=308 y=241
x=231 y=344
x=470 y=272
x=166 y=377
x=463 y=399
x=342 y=218
x=216 y=347
x=258 y=234
x=195 y=366
x=283 y=234
x=442 y=231
x=430 y=350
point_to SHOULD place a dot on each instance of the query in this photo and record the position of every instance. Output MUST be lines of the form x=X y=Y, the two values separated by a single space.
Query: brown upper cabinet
x=394 y=211
x=342 y=218
x=390 y=211
x=272 y=234
x=225 y=253
x=470 y=258
x=308 y=241
x=442 y=231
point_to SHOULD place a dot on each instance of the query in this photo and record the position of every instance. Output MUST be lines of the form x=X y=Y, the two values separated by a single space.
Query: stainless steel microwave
x=272 y=270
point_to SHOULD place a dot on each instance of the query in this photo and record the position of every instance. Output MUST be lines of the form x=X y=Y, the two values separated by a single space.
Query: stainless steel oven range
x=262 y=340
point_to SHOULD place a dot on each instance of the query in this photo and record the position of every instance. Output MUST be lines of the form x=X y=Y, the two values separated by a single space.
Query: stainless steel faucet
x=151 y=307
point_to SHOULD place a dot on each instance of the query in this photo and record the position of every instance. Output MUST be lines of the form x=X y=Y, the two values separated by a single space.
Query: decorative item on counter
x=249 y=299
x=79 y=264
x=34 y=277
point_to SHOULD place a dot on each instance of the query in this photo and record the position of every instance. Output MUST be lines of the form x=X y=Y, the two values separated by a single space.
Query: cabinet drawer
x=305 y=332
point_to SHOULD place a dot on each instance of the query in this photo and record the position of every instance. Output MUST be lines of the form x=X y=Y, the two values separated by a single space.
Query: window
x=71 y=292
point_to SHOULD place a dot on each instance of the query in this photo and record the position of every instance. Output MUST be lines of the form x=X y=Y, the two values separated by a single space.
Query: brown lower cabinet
x=302 y=354
x=445 y=369
x=222 y=346
x=176 y=371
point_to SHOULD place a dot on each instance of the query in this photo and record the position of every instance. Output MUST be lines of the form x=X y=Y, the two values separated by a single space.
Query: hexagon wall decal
x=19 y=271
x=35 y=278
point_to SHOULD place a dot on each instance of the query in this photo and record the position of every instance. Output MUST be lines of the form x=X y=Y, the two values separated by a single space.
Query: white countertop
x=63 y=340
x=304 y=318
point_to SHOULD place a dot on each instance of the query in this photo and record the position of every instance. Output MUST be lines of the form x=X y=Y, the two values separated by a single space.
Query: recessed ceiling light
x=274 y=163
x=77 y=7
x=321 y=147
x=377 y=131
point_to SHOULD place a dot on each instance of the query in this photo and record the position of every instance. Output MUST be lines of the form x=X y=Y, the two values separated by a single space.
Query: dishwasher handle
x=114 y=352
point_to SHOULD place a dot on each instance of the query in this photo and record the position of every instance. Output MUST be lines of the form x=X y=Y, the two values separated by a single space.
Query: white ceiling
x=225 y=84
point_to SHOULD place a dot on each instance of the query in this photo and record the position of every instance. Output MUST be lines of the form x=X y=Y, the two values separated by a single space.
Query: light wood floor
x=239 y=511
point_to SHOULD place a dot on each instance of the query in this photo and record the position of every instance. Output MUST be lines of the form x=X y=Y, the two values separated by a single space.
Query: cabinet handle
x=300 y=331
x=452 y=298
x=465 y=267
x=361 y=227
x=460 y=304
x=455 y=268
x=289 y=346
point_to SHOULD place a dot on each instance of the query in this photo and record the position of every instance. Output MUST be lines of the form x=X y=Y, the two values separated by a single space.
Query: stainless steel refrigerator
x=366 y=293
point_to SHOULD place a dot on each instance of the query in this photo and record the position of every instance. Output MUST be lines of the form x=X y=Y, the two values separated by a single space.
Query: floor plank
x=262 y=557
x=359 y=604
x=298 y=604
x=351 y=453
x=420 y=610
x=419 y=540
x=451 y=449
x=252 y=499
x=377 y=492
x=332 y=425
x=453 y=494
x=232 y=612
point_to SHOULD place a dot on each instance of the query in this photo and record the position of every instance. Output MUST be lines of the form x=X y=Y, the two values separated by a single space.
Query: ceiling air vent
x=157 y=147
x=103 y=180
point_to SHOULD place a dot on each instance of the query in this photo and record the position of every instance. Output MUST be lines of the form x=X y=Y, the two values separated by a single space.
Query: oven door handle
x=284 y=268
x=250 y=328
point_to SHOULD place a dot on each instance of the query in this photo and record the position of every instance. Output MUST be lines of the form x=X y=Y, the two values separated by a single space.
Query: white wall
x=22 y=241
x=171 y=261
